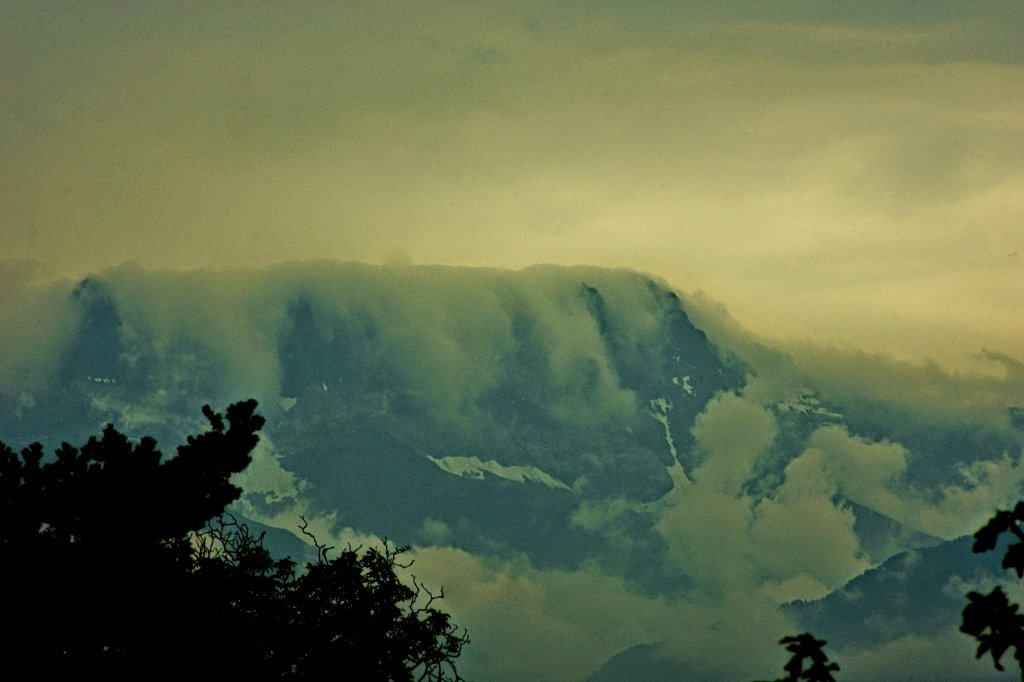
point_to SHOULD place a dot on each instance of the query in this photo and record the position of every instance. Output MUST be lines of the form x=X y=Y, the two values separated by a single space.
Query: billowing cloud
x=807 y=165
x=588 y=461
x=871 y=474
x=797 y=543
x=851 y=174
x=557 y=625
x=530 y=622
x=948 y=655
x=35 y=318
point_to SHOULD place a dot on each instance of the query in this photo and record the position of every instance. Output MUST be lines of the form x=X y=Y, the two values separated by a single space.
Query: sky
x=847 y=173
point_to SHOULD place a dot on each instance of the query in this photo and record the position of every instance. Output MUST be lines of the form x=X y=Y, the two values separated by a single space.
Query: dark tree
x=991 y=618
x=119 y=564
x=348 y=613
x=805 y=647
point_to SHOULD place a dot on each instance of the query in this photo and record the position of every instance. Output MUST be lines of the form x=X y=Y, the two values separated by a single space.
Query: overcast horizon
x=851 y=175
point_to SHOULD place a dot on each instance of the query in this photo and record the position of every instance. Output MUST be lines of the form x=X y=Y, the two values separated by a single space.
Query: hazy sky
x=848 y=172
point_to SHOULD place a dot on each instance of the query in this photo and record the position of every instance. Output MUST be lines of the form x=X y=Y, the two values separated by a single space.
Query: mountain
x=918 y=592
x=568 y=449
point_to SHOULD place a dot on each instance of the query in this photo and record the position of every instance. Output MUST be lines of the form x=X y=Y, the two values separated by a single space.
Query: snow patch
x=660 y=407
x=684 y=383
x=474 y=467
x=805 y=402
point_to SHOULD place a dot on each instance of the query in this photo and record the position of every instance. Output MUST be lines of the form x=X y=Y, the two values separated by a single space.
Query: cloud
x=948 y=655
x=448 y=332
x=268 y=485
x=864 y=472
x=920 y=392
x=871 y=474
x=558 y=625
x=765 y=511
x=536 y=623
x=36 y=318
x=733 y=433
x=796 y=543
x=806 y=164
x=802 y=538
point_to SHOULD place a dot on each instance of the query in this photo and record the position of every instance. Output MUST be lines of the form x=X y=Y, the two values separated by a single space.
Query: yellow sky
x=850 y=175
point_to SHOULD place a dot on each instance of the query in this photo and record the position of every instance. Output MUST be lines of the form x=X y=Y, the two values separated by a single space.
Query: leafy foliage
x=804 y=647
x=116 y=563
x=352 y=607
x=1004 y=521
x=994 y=622
x=991 y=618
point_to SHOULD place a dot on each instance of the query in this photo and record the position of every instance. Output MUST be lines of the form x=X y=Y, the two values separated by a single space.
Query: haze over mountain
x=609 y=473
x=607 y=476
x=846 y=172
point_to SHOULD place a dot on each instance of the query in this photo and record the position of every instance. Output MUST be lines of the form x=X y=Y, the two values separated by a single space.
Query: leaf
x=988 y=535
x=1015 y=558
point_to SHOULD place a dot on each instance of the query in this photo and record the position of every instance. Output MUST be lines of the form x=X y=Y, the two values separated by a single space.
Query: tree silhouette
x=991 y=618
x=118 y=563
x=803 y=647
x=352 y=607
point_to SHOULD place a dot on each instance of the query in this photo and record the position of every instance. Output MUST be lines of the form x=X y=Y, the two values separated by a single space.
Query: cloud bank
x=845 y=174
x=593 y=465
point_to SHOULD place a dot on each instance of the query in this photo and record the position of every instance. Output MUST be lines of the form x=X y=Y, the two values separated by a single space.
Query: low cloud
x=36 y=318
x=562 y=625
x=796 y=543
x=692 y=530
x=916 y=658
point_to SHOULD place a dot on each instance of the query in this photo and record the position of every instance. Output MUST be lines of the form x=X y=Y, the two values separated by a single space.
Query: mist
x=593 y=464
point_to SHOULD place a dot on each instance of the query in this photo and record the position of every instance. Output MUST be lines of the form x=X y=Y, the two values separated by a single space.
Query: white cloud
x=795 y=543
x=871 y=474
x=733 y=432
x=555 y=625
x=864 y=472
x=800 y=533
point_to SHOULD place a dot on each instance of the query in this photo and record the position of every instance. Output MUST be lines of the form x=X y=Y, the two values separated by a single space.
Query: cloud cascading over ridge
x=614 y=479
x=848 y=174
x=607 y=475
